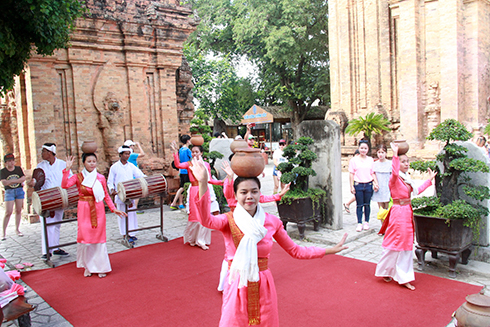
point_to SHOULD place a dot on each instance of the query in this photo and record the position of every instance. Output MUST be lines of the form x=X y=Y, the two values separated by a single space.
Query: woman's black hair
x=238 y=180
x=381 y=147
x=363 y=142
x=231 y=156
x=86 y=155
x=199 y=147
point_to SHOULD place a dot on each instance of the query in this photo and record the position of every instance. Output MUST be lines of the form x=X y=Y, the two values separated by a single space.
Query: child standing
x=382 y=169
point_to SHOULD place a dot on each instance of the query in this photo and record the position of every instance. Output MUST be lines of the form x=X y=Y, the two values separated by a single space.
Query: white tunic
x=121 y=173
x=53 y=173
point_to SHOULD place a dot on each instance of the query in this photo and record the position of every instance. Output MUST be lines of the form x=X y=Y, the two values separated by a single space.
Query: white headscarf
x=121 y=150
x=51 y=148
x=245 y=263
x=90 y=180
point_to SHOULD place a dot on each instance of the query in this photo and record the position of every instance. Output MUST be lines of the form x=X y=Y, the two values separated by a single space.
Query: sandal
x=20 y=234
x=346 y=208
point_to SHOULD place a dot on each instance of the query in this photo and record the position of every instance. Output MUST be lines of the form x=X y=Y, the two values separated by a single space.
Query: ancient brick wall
x=417 y=62
x=117 y=81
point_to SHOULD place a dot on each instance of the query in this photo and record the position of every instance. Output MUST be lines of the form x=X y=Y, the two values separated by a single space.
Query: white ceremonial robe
x=121 y=173
x=53 y=176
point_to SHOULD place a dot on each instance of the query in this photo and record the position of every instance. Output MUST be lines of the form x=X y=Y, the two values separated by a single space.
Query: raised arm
x=141 y=153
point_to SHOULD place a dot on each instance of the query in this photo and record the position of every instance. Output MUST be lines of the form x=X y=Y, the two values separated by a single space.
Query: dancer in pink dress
x=249 y=297
x=397 y=259
x=194 y=233
x=91 y=237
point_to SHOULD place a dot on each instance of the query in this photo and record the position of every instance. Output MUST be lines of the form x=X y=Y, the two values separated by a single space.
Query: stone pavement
x=365 y=245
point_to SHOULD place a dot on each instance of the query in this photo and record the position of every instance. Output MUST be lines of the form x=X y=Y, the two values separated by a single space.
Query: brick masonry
x=417 y=62
x=121 y=78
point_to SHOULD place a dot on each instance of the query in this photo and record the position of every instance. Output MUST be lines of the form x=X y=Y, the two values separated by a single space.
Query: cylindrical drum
x=141 y=187
x=54 y=198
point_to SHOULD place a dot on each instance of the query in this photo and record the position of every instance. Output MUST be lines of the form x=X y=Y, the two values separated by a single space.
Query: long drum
x=54 y=198
x=141 y=187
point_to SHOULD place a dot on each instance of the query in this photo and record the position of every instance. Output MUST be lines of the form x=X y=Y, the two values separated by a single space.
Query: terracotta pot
x=197 y=139
x=247 y=162
x=236 y=144
x=403 y=146
x=474 y=312
x=89 y=147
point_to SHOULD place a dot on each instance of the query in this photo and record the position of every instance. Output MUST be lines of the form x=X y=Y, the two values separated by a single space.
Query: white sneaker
x=366 y=226
x=359 y=228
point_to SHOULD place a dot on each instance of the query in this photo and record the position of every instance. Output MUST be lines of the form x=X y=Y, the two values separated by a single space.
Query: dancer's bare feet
x=387 y=279
x=409 y=286
x=87 y=273
x=203 y=246
x=102 y=275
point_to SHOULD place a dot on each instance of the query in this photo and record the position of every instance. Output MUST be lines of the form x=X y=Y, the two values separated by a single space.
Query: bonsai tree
x=453 y=165
x=298 y=169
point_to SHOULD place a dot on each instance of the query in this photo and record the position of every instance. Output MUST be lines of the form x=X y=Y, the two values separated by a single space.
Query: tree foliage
x=287 y=40
x=44 y=24
x=217 y=88
x=372 y=124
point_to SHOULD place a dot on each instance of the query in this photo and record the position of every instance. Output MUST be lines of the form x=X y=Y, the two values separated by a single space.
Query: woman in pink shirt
x=363 y=181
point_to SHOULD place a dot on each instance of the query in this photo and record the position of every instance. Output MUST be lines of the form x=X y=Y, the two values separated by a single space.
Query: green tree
x=372 y=124
x=220 y=92
x=287 y=40
x=39 y=25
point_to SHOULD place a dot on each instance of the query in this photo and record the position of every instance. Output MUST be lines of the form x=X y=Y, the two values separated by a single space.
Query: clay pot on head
x=89 y=147
x=403 y=146
x=197 y=139
x=475 y=311
x=247 y=162
x=237 y=144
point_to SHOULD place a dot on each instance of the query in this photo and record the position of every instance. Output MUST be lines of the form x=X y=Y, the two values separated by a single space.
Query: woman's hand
x=394 y=147
x=432 y=174
x=120 y=213
x=375 y=187
x=227 y=169
x=339 y=247
x=69 y=162
x=353 y=189
x=199 y=170
x=285 y=189
x=174 y=147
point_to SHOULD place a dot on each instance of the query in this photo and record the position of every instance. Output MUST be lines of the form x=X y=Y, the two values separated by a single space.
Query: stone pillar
x=326 y=134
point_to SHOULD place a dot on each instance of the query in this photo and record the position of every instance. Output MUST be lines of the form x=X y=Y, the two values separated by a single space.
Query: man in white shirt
x=53 y=171
x=123 y=171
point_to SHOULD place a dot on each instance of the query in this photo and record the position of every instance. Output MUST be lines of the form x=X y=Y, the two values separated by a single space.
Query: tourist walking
x=123 y=171
x=396 y=262
x=91 y=219
x=277 y=158
x=353 y=198
x=363 y=181
x=53 y=174
x=13 y=179
x=382 y=169
x=185 y=155
x=249 y=297
x=195 y=233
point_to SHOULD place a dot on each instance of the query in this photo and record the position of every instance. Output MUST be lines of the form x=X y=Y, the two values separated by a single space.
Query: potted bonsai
x=449 y=221
x=300 y=204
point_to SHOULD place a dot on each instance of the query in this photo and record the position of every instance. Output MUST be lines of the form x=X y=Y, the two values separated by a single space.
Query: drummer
x=53 y=171
x=123 y=171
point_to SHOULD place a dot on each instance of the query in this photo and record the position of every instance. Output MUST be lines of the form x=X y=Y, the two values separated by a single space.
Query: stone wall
x=117 y=81
x=416 y=62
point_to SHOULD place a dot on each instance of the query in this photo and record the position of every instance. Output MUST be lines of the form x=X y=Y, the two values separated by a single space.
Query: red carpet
x=169 y=284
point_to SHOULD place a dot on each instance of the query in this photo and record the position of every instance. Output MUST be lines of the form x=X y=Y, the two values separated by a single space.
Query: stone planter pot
x=300 y=211
x=433 y=234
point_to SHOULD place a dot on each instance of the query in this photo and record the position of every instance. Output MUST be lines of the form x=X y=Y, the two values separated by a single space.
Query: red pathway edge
x=171 y=284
